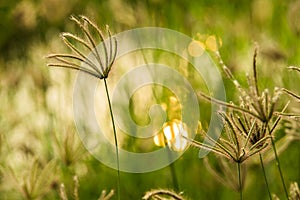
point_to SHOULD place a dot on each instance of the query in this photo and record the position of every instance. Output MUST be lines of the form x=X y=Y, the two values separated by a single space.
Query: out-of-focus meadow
x=39 y=146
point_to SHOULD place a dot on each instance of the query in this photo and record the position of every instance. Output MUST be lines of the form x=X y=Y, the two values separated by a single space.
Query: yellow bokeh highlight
x=172 y=134
x=196 y=48
x=207 y=42
x=169 y=132
x=159 y=140
x=212 y=43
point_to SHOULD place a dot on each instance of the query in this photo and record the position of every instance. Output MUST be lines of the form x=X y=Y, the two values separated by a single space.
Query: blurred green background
x=36 y=119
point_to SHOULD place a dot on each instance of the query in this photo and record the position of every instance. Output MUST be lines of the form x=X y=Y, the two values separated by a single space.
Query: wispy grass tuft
x=36 y=183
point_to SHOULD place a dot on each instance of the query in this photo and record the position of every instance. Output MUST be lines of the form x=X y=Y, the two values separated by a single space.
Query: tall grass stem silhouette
x=265 y=175
x=115 y=136
x=240 y=180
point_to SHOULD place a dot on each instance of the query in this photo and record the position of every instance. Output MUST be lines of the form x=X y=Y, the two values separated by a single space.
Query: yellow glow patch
x=172 y=134
x=196 y=48
x=169 y=133
x=159 y=140
x=212 y=43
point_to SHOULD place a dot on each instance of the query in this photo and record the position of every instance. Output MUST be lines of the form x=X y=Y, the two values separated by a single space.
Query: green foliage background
x=36 y=122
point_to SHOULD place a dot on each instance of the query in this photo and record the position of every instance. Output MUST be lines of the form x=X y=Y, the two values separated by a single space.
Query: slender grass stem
x=240 y=180
x=255 y=70
x=115 y=137
x=279 y=169
x=265 y=176
x=275 y=151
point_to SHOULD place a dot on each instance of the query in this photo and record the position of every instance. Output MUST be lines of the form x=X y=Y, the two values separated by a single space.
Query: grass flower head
x=100 y=65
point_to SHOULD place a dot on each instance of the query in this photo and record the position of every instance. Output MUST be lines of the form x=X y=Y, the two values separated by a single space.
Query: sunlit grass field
x=39 y=146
